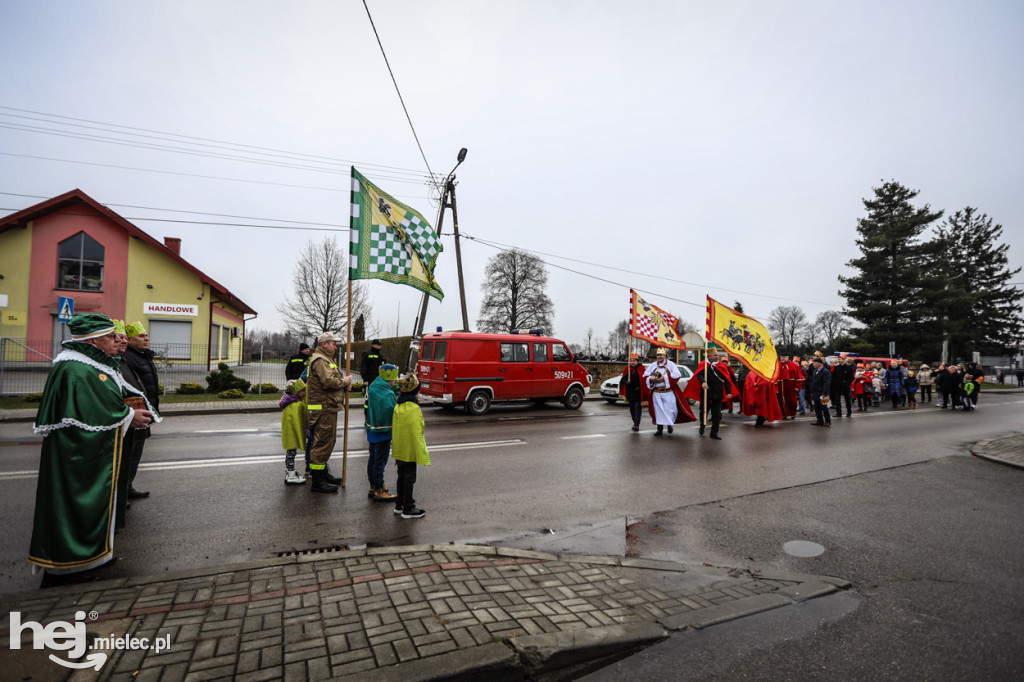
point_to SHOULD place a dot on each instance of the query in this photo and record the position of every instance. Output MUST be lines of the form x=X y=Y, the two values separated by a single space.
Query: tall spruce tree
x=888 y=295
x=982 y=311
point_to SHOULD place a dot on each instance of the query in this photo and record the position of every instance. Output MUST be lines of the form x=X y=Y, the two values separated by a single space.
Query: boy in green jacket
x=408 y=445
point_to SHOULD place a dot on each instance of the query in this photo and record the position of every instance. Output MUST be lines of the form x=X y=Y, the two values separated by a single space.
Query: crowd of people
x=102 y=395
x=818 y=384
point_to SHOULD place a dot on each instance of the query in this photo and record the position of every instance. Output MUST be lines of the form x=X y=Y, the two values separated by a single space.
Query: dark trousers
x=376 y=462
x=926 y=393
x=821 y=411
x=864 y=402
x=406 y=481
x=840 y=393
x=636 y=411
x=715 y=410
x=137 y=446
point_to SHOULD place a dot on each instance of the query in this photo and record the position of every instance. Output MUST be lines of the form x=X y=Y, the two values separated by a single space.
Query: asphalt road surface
x=931 y=538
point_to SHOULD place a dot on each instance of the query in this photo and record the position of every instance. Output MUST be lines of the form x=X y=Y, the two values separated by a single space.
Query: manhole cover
x=803 y=548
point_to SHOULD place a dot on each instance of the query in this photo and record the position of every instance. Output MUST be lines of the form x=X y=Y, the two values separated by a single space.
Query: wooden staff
x=348 y=372
x=704 y=402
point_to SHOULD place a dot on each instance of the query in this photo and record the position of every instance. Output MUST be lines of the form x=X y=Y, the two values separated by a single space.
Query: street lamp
x=448 y=201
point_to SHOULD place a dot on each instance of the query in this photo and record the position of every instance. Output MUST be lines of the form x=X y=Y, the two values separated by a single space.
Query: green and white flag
x=390 y=241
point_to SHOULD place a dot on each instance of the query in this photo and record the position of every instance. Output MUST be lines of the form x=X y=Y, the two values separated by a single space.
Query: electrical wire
x=506 y=247
x=400 y=98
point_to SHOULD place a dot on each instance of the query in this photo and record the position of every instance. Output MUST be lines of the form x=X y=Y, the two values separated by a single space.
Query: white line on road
x=589 y=435
x=273 y=459
x=228 y=431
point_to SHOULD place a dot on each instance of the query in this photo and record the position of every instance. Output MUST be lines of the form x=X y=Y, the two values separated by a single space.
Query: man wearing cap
x=325 y=388
x=137 y=361
x=710 y=385
x=297 y=363
x=82 y=418
x=381 y=399
x=633 y=388
x=820 y=388
x=370 y=362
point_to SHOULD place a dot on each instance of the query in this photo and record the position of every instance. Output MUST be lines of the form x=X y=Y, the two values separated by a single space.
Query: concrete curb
x=1007 y=449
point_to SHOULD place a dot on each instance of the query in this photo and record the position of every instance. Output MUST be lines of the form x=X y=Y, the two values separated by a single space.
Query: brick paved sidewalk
x=409 y=613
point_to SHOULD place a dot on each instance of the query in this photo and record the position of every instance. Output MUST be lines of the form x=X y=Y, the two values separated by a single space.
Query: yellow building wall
x=15 y=258
x=171 y=283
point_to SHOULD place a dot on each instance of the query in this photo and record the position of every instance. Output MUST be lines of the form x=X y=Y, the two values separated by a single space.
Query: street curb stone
x=725 y=612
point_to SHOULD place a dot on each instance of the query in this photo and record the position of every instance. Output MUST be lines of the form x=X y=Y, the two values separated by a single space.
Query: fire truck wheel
x=573 y=399
x=478 y=403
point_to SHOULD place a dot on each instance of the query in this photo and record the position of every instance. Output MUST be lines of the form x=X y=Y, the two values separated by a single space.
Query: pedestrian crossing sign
x=65 y=308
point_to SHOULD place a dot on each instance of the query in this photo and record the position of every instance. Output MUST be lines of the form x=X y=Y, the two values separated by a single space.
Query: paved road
x=893 y=497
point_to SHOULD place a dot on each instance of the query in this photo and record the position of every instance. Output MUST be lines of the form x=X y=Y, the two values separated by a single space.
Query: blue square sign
x=65 y=308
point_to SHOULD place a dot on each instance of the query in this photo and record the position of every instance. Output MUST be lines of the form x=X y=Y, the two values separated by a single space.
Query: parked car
x=610 y=388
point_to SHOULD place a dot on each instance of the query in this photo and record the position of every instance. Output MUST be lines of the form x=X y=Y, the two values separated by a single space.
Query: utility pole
x=448 y=201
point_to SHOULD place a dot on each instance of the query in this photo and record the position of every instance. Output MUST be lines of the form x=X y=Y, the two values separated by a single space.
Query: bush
x=231 y=394
x=264 y=388
x=190 y=389
x=357 y=387
x=223 y=379
x=34 y=398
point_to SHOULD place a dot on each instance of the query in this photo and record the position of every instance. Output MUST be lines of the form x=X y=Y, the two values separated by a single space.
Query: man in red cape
x=760 y=399
x=790 y=378
x=695 y=390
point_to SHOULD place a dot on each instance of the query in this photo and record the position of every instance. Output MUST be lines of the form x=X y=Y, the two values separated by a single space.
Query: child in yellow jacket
x=408 y=445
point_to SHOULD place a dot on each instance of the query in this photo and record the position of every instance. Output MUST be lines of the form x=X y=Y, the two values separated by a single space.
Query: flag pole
x=704 y=403
x=348 y=372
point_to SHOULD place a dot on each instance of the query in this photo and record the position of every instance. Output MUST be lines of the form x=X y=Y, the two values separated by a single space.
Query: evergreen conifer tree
x=982 y=312
x=887 y=294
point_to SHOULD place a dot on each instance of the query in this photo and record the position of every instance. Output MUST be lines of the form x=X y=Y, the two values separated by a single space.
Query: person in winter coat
x=139 y=358
x=381 y=400
x=408 y=445
x=894 y=385
x=820 y=387
x=633 y=389
x=924 y=382
x=293 y=428
x=863 y=388
x=297 y=363
x=911 y=384
x=325 y=393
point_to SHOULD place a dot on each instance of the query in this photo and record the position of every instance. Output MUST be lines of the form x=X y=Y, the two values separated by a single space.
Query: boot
x=321 y=484
x=329 y=477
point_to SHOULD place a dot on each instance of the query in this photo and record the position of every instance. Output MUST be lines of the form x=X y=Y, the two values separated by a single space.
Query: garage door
x=174 y=337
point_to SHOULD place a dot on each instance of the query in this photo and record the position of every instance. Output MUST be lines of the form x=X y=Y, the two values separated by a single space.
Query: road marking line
x=589 y=435
x=271 y=459
x=228 y=431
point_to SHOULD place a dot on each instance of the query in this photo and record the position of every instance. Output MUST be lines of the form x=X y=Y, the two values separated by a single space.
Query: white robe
x=665 y=408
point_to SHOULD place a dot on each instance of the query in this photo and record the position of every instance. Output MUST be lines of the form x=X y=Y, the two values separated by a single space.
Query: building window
x=80 y=263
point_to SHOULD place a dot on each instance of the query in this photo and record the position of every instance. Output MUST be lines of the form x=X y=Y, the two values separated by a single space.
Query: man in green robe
x=83 y=418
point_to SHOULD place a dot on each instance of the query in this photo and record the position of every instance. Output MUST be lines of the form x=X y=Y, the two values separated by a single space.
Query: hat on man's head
x=409 y=383
x=303 y=346
x=328 y=336
x=375 y=342
x=118 y=326
x=388 y=372
x=634 y=356
x=134 y=329
x=89 y=326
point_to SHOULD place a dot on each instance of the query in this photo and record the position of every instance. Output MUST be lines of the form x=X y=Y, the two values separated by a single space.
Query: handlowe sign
x=170 y=309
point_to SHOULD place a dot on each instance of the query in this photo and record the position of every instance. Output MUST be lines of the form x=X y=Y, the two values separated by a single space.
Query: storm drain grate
x=316 y=550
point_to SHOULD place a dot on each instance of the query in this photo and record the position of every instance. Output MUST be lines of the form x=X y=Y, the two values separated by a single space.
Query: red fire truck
x=463 y=368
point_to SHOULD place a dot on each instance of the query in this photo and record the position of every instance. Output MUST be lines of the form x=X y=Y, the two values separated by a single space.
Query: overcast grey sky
x=717 y=148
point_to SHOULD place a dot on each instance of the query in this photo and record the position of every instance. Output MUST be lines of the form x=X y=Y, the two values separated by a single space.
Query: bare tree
x=618 y=340
x=832 y=324
x=514 y=297
x=320 y=301
x=786 y=323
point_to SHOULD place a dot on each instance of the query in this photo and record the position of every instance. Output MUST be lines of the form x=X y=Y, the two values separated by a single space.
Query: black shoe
x=413 y=513
x=321 y=484
x=636 y=427
x=716 y=436
x=658 y=432
x=701 y=431
x=670 y=428
x=817 y=423
x=134 y=494
x=329 y=477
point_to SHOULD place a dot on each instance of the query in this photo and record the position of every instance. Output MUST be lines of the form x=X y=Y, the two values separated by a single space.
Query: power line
x=201 y=141
x=505 y=247
x=400 y=98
